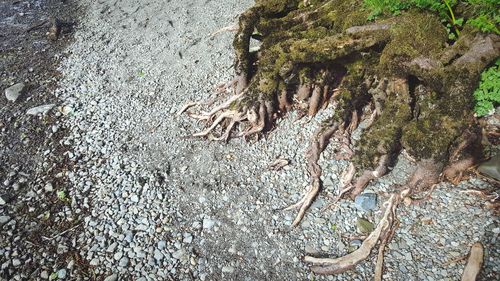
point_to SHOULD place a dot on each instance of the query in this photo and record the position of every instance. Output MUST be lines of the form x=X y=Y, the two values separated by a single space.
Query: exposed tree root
x=426 y=175
x=474 y=262
x=379 y=266
x=338 y=265
x=398 y=76
x=318 y=144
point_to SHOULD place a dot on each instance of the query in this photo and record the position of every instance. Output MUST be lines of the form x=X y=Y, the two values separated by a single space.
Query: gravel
x=162 y=206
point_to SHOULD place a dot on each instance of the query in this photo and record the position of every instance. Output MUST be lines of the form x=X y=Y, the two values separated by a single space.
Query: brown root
x=474 y=262
x=318 y=144
x=347 y=262
x=426 y=175
x=367 y=176
x=379 y=266
x=454 y=172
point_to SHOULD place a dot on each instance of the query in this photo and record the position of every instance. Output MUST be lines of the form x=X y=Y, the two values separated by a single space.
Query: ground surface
x=143 y=201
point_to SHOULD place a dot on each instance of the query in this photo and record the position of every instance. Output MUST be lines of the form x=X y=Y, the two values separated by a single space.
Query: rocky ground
x=113 y=188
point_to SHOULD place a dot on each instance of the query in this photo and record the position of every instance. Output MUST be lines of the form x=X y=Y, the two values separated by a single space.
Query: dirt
x=31 y=151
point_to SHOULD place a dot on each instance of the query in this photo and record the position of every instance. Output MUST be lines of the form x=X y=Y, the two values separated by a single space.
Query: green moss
x=382 y=138
x=415 y=34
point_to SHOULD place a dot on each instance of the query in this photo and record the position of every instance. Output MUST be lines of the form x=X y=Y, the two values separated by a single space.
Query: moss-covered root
x=392 y=101
x=426 y=175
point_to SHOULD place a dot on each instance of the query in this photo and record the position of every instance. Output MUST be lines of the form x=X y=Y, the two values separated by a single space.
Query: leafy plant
x=487 y=95
x=484 y=16
x=61 y=195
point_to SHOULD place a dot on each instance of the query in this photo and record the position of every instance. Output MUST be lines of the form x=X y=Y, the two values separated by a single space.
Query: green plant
x=483 y=14
x=487 y=95
x=61 y=195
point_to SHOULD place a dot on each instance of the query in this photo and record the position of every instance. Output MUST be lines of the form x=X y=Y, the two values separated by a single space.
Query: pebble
x=2 y=201
x=227 y=269
x=42 y=109
x=124 y=262
x=13 y=92
x=112 y=277
x=208 y=223
x=158 y=255
x=4 y=220
x=16 y=262
x=366 y=201
x=179 y=254
x=364 y=226
x=61 y=274
x=48 y=187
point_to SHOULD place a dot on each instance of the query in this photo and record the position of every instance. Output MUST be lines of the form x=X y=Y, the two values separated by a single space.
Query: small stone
x=112 y=277
x=364 y=226
x=48 y=187
x=158 y=255
x=2 y=201
x=16 y=262
x=44 y=275
x=94 y=262
x=134 y=198
x=162 y=244
x=42 y=109
x=208 y=223
x=123 y=262
x=179 y=254
x=4 y=220
x=491 y=167
x=61 y=274
x=14 y=92
x=227 y=269
x=188 y=238
x=118 y=255
x=366 y=201
x=112 y=248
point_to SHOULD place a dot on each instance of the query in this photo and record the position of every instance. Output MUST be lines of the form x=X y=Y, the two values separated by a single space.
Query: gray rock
x=228 y=269
x=61 y=274
x=13 y=92
x=188 y=238
x=112 y=247
x=134 y=198
x=158 y=255
x=118 y=255
x=208 y=223
x=179 y=254
x=112 y=277
x=16 y=262
x=42 y=109
x=4 y=220
x=123 y=262
x=44 y=275
x=2 y=201
x=48 y=187
x=491 y=167
x=366 y=202
x=162 y=244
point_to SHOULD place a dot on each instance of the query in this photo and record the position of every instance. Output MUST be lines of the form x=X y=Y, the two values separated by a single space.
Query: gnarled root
x=318 y=144
x=341 y=264
x=426 y=175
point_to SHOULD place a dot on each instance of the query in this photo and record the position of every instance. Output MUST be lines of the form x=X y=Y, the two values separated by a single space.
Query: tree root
x=426 y=175
x=474 y=262
x=367 y=176
x=317 y=145
x=379 y=266
x=347 y=262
